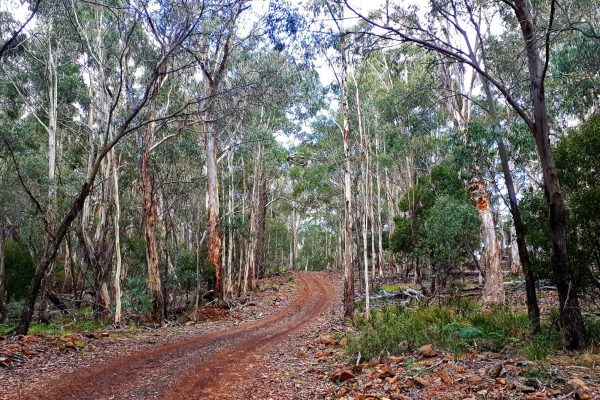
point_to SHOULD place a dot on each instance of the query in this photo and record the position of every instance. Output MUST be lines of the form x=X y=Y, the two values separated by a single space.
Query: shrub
x=136 y=297
x=457 y=327
x=186 y=269
x=18 y=270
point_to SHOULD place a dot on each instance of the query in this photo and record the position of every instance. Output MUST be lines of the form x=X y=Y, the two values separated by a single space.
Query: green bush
x=457 y=328
x=274 y=271
x=19 y=270
x=186 y=269
x=593 y=328
x=136 y=297
x=14 y=309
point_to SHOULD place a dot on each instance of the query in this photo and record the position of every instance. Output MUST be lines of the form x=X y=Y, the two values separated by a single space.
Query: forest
x=338 y=199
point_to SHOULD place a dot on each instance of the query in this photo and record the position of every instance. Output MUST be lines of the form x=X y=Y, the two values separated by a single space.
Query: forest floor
x=286 y=342
x=251 y=353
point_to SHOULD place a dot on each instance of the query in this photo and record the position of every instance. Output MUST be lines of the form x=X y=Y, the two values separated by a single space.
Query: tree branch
x=14 y=36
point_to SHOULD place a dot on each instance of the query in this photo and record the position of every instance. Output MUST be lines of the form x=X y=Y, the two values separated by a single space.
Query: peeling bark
x=493 y=287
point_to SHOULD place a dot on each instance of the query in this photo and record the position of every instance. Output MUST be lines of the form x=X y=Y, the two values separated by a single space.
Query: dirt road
x=201 y=367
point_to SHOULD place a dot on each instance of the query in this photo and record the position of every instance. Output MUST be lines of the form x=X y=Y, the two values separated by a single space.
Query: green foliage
x=14 y=308
x=186 y=269
x=578 y=164
x=136 y=299
x=52 y=329
x=575 y=63
x=59 y=328
x=395 y=287
x=534 y=212
x=314 y=254
x=207 y=272
x=451 y=231
x=457 y=327
x=442 y=226
x=134 y=251
x=578 y=167
x=593 y=329
x=5 y=329
x=19 y=270
x=402 y=239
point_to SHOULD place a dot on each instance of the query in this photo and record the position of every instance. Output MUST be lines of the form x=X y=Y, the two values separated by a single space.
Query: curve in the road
x=199 y=366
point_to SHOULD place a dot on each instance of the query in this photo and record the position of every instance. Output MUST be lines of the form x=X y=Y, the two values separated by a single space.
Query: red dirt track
x=207 y=366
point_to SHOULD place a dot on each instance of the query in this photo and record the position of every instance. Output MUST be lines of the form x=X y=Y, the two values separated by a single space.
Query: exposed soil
x=215 y=365
x=285 y=342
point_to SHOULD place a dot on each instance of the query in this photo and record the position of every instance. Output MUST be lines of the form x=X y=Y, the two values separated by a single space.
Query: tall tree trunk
x=523 y=254
x=95 y=239
x=293 y=238
x=148 y=206
x=515 y=263
x=570 y=312
x=230 y=223
x=214 y=232
x=252 y=242
x=260 y=228
x=155 y=290
x=117 y=229
x=391 y=214
x=2 y=275
x=348 y=268
x=199 y=242
x=533 y=309
x=170 y=274
x=52 y=128
x=381 y=256
x=493 y=287
x=365 y=226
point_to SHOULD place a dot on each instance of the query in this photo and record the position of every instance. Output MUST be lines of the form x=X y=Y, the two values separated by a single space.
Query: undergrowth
x=459 y=327
x=60 y=327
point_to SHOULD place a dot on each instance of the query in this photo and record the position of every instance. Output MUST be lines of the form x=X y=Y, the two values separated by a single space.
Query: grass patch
x=46 y=329
x=460 y=327
x=4 y=329
x=395 y=287
x=58 y=328
x=85 y=326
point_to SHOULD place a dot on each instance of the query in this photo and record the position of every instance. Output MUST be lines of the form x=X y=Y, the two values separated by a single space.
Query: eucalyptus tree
x=213 y=52
x=535 y=27
x=11 y=39
x=340 y=68
x=131 y=22
x=45 y=84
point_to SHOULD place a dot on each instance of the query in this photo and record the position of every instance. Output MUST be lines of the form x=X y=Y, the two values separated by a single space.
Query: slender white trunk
x=348 y=269
x=380 y=254
x=2 y=273
x=52 y=125
x=493 y=287
x=250 y=269
x=117 y=219
x=229 y=285
x=364 y=220
x=515 y=261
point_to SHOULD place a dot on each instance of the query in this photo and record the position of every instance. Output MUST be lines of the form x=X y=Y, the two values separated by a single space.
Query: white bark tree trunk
x=348 y=264
x=229 y=285
x=493 y=287
x=117 y=219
